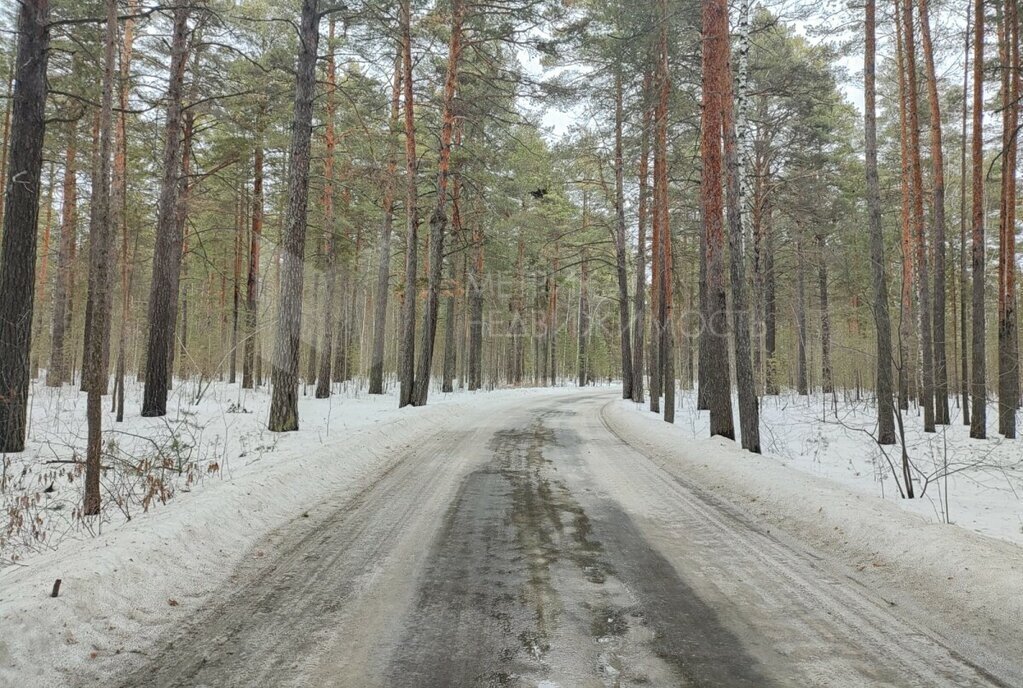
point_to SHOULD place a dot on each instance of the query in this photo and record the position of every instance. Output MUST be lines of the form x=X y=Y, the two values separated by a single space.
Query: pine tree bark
x=802 y=373
x=312 y=359
x=551 y=325
x=978 y=420
x=287 y=343
x=450 y=315
x=1008 y=355
x=582 y=358
x=665 y=325
x=624 y=320
x=582 y=319
x=882 y=320
x=476 y=307
x=323 y=379
x=163 y=292
x=770 y=305
x=56 y=372
x=236 y=279
x=715 y=75
x=119 y=203
x=906 y=314
x=656 y=371
x=101 y=239
x=439 y=218
x=450 y=353
x=383 y=290
x=18 y=253
x=941 y=411
x=827 y=374
x=407 y=344
x=180 y=258
x=249 y=361
x=100 y=244
x=964 y=375
x=919 y=236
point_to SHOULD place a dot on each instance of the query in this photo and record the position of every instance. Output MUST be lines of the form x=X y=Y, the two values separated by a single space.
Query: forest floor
x=253 y=520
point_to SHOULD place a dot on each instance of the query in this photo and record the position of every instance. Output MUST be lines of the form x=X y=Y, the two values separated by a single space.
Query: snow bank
x=833 y=438
x=947 y=574
x=121 y=589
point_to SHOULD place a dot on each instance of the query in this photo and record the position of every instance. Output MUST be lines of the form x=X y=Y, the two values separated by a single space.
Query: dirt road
x=536 y=548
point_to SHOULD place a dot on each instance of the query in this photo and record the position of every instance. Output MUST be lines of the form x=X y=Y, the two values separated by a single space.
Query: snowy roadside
x=952 y=576
x=122 y=588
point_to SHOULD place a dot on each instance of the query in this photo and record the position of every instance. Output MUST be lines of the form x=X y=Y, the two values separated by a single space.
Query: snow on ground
x=834 y=440
x=821 y=492
x=125 y=580
x=187 y=496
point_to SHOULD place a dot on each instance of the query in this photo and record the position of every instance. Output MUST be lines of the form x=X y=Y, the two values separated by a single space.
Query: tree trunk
x=383 y=290
x=1008 y=356
x=882 y=321
x=582 y=333
x=439 y=218
x=964 y=375
x=518 y=314
x=737 y=150
x=919 y=236
x=656 y=363
x=582 y=359
x=101 y=236
x=236 y=286
x=312 y=359
x=42 y=276
x=119 y=204
x=624 y=321
x=827 y=375
x=287 y=343
x=941 y=412
x=249 y=362
x=715 y=76
x=180 y=258
x=906 y=314
x=163 y=292
x=639 y=326
x=407 y=355
x=978 y=421
x=18 y=254
x=770 y=306
x=551 y=328
x=476 y=307
x=450 y=354
x=56 y=372
x=664 y=286
x=323 y=379
x=100 y=233
x=802 y=376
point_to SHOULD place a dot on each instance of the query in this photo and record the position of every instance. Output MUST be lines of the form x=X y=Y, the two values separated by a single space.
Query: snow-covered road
x=527 y=543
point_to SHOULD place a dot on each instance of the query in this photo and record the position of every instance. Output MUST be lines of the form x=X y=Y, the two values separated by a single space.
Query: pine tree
x=284 y=377
x=163 y=293
x=21 y=215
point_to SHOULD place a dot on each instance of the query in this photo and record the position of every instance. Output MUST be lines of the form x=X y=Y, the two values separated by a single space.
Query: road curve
x=535 y=548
